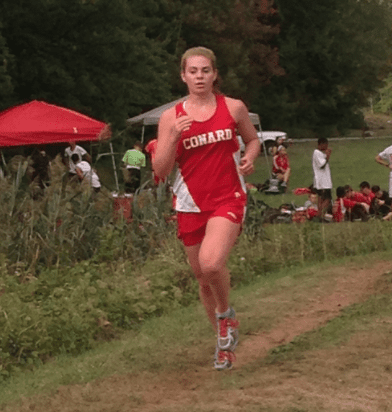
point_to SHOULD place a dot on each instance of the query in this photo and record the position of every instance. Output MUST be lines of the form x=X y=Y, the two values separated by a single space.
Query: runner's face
x=199 y=75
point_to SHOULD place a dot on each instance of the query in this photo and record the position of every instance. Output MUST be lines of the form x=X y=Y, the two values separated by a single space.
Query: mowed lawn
x=352 y=161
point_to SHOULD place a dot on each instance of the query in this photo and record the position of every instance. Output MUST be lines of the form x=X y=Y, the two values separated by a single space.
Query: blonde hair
x=198 y=51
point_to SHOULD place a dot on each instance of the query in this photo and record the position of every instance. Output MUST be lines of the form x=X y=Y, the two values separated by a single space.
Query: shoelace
x=226 y=323
x=226 y=355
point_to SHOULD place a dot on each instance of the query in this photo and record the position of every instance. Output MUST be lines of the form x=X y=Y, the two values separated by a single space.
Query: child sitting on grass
x=365 y=194
x=281 y=166
x=381 y=204
x=311 y=206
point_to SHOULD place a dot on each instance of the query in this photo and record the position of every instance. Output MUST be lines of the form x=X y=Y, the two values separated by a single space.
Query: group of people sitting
x=369 y=201
x=351 y=205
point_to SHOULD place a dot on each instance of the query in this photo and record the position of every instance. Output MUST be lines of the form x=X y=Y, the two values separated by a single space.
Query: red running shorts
x=192 y=226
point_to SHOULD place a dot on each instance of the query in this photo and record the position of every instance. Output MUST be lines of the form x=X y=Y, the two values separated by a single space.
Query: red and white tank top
x=208 y=157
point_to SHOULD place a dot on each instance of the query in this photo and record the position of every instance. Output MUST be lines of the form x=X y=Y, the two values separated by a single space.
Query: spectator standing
x=384 y=158
x=40 y=165
x=322 y=180
x=151 y=149
x=82 y=154
x=133 y=160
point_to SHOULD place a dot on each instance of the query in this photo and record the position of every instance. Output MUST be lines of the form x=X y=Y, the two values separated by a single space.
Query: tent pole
x=143 y=134
x=4 y=163
x=114 y=168
x=265 y=154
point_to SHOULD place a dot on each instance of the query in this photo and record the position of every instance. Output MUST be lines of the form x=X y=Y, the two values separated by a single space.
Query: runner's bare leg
x=208 y=261
x=205 y=292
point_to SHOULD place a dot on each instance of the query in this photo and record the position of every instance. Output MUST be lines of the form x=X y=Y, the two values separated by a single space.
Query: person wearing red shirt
x=199 y=136
x=281 y=166
x=151 y=149
x=345 y=208
x=355 y=196
x=366 y=191
x=365 y=195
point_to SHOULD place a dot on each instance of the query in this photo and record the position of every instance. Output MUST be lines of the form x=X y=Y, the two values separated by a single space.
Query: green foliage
x=383 y=101
x=241 y=33
x=64 y=310
x=255 y=211
x=58 y=230
x=91 y=56
x=67 y=225
x=334 y=54
x=6 y=87
x=69 y=270
x=289 y=245
x=301 y=65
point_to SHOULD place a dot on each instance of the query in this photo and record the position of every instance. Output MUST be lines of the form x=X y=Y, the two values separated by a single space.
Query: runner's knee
x=210 y=269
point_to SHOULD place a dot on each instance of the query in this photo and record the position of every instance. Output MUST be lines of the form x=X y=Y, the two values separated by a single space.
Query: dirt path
x=354 y=377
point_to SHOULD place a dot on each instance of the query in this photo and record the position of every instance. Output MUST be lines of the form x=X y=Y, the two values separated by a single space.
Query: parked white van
x=269 y=139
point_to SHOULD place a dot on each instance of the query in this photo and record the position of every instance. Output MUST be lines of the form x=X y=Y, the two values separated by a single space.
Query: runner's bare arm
x=169 y=133
x=248 y=133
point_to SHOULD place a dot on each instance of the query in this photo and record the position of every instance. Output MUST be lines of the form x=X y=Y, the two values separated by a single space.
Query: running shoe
x=223 y=359
x=227 y=331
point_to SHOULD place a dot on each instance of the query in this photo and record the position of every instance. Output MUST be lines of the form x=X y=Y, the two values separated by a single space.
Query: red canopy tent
x=43 y=123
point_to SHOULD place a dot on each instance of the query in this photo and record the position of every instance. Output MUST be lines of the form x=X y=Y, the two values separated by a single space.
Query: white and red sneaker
x=223 y=360
x=227 y=330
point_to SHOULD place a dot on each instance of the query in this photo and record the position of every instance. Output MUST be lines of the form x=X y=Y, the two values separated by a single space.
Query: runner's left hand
x=246 y=166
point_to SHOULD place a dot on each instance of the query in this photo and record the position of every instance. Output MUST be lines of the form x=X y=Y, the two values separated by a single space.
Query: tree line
x=302 y=66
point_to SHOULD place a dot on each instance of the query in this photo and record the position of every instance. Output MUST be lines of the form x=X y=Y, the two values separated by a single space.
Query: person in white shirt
x=322 y=181
x=385 y=158
x=80 y=152
x=84 y=171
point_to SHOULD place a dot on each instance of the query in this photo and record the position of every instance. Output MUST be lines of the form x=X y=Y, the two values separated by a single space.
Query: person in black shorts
x=322 y=181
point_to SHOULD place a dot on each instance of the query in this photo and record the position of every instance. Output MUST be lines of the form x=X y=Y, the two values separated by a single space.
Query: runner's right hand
x=181 y=124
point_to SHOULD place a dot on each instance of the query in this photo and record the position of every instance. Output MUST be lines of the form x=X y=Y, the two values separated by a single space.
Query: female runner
x=199 y=135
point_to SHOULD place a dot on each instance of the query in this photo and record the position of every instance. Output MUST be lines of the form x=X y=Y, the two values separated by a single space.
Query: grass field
x=352 y=161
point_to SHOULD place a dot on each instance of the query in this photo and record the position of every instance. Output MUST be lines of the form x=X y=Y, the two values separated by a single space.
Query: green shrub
x=65 y=310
